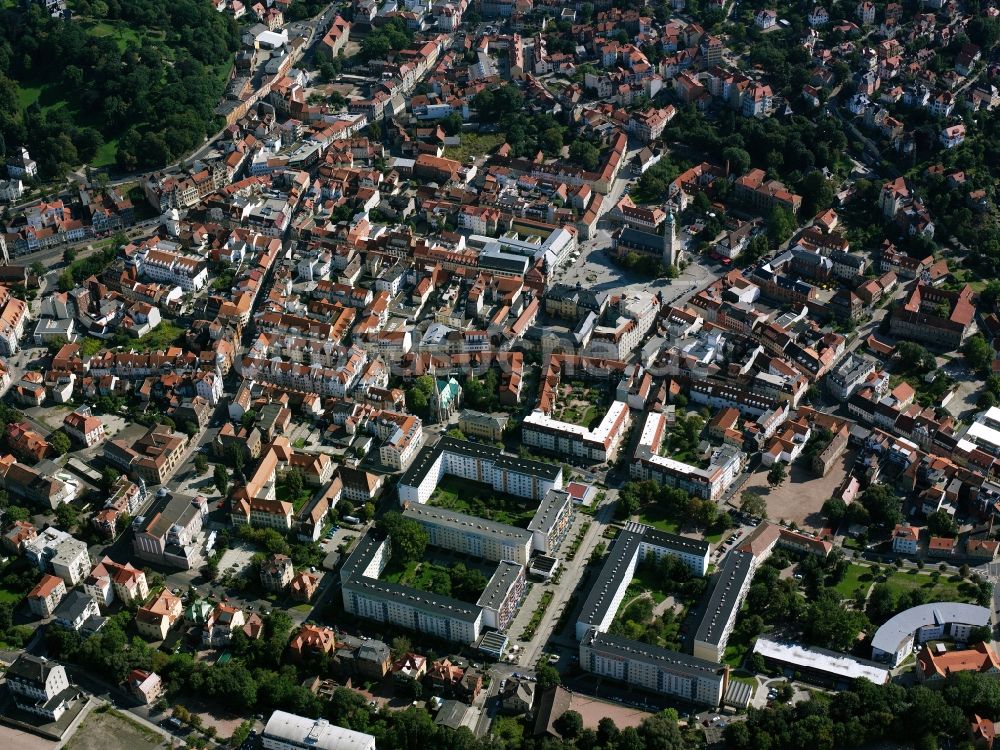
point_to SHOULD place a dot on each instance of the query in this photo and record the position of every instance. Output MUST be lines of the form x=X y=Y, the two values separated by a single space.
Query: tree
x=585 y=154
x=570 y=724
x=940 y=523
x=367 y=512
x=401 y=646
x=982 y=634
x=883 y=505
x=660 y=732
x=777 y=474
x=835 y=510
x=294 y=482
x=66 y=281
x=738 y=159
x=407 y=537
x=780 y=225
x=452 y=124
x=109 y=477
x=881 y=604
x=60 y=442
x=753 y=504
x=221 y=477
x=200 y=464
x=978 y=353
x=16 y=513
x=547 y=677
x=914 y=356
x=826 y=623
x=817 y=192
x=419 y=394
x=67 y=517
x=552 y=140
x=607 y=731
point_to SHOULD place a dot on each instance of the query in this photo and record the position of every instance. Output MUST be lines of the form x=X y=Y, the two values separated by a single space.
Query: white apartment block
x=40 y=686
x=285 y=731
x=651 y=668
x=71 y=561
x=725 y=464
x=478 y=463
x=190 y=274
x=471 y=535
x=598 y=445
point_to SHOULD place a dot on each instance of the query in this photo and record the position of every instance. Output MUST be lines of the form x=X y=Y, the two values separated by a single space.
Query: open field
x=946 y=588
x=110 y=730
x=592 y=710
x=801 y=497
x=474 y=144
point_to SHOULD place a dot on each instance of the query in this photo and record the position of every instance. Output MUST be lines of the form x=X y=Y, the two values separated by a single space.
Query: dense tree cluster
x=157 y=96
x=526 y=134
x=389 y=37
x=670 y=502
x=407 y=537
x=787 y=148
x=868 y=715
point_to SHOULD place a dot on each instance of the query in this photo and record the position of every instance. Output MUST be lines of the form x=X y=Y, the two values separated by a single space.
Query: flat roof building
x=828 y=667
x=478 y=463
x=895 y=639
x=472 y=535
x=652 y=668
x=285 y=731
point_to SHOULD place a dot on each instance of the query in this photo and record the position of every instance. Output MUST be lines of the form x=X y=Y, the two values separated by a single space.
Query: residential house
x=154 y=619
x=40 y=686
x=46 y=595
x=905 y=539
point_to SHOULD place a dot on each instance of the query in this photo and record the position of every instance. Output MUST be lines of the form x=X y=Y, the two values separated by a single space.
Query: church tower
x=671 y=248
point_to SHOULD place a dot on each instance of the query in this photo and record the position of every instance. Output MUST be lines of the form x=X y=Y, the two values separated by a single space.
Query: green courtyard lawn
x=435 y=576
x=479 y=499
x=857 y=577
x=656 y=516
x=945 y=588
x=159 y=338
x=646 y=579
x=282 y=492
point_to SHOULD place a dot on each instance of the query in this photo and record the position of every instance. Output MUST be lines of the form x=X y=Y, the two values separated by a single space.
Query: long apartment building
x=495 y=541
x=160 y=263
x=597 y=445
x=478 y=463
x=635 y=663
x=734 y=579
x=636 y=542
x=709 y=483
x=348 y=363
x=421 y=611
x=653 y=668
x=471 y=535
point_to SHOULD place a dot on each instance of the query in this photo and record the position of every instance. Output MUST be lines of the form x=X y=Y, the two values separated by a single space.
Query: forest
x=133 y=84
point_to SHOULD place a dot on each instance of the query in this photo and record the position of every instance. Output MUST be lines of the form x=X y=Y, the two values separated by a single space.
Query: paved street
x=544 y=638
